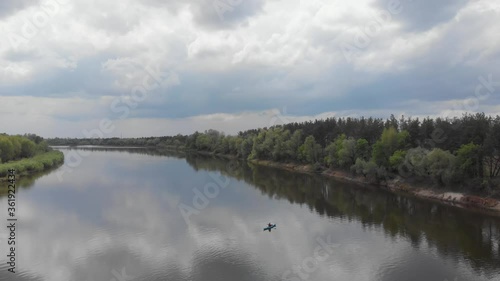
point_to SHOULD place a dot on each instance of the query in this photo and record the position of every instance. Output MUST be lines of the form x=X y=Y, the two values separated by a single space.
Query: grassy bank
x=35 y=164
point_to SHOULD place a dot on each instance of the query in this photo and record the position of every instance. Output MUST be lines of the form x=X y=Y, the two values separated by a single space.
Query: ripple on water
x=18 y=275
x=220 y=258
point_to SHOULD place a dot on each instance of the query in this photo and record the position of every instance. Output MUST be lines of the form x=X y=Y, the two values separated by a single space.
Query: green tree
x=415 y=163
x=280 y=146
x=347 y=153
x=293 y=144
x=6 y=149
x=389 y=142
x=258 y=151
x=362 y=149
x=491 y=148
x=369 y=170
x=28 y=148
x=203 y=142
x=245 y=147
x=43 y=147
x=310 y=151
x=397 y=159
x=468 y=160
x=378 y=153
x=333 y=149
x=16 y=146
x=440 y=166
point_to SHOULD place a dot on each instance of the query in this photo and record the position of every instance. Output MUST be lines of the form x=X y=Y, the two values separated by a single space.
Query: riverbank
x=456 y=199
x=38 y=163
x=396 y=186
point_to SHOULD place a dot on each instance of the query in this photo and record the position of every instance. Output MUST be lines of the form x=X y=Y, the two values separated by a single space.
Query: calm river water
x=136 y=215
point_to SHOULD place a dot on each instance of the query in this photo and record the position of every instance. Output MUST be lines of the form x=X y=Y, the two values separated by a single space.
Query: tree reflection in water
x=452 y=231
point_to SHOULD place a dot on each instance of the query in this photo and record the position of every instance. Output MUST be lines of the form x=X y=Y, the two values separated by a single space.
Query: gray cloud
x=214 y=14
x=422 y=15
x=10 y=7
x=260 y=56
x=219 y=14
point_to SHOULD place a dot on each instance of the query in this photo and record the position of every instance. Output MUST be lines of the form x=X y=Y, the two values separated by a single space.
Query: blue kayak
x=270 y=227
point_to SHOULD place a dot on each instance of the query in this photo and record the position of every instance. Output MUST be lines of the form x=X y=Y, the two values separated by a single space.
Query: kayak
x=270 y=227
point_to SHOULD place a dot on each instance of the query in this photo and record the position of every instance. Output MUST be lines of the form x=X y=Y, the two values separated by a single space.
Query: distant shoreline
x=101 y=146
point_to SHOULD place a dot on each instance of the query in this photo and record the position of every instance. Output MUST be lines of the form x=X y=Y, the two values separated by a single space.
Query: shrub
x=34 y=164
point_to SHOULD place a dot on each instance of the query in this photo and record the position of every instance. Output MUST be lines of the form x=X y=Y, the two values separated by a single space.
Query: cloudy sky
x=156 y=67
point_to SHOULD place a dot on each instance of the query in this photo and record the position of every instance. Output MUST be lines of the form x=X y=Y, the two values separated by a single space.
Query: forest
x=455 y=152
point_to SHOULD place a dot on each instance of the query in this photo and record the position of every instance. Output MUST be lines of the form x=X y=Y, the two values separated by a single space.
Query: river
x=133 y=214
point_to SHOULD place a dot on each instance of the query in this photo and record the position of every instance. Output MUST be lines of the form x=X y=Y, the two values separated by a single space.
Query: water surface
x=129 y=214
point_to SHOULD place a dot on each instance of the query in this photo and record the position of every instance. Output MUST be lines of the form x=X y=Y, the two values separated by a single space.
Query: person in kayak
x=269 y=227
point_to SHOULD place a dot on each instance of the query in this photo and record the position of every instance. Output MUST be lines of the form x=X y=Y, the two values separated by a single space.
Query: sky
x=88 y=68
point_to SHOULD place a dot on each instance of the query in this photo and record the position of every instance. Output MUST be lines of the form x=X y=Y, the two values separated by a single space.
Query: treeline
x=27 y=154
x=18 y=147
x=445 y=151
x=119 y=142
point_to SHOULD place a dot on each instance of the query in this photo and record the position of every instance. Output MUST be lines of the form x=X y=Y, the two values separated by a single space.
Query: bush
x=369 y=170
x=440 y=165
x=35 y=164
x=397 y=159
x=415 y=163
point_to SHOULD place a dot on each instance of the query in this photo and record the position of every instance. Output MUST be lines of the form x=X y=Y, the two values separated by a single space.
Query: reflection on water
x=24 y=181
x=117 y=217
x=452 y=231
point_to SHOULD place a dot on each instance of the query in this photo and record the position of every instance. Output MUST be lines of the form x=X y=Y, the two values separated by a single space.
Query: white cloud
x=272 y=51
